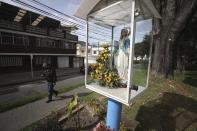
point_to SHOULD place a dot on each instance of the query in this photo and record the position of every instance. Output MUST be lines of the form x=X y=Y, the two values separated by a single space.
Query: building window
x=70 y=46
x=82 y=51
x=26 y=40
x=38 y=42
x=78 y=62
x=57 y=43
x=10 y=61
x=74 y=46
x=6 y=38
x=18 y=40
x=14 y=39
x=49 y=43
x=65 y=45
x=94 y=52
x=39 y=60
x=43 y=42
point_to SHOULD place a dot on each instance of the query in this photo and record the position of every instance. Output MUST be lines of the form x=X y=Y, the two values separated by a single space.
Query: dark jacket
x=50 y=75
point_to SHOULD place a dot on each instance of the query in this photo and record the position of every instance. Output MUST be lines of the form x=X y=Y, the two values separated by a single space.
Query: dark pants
x=51 y=90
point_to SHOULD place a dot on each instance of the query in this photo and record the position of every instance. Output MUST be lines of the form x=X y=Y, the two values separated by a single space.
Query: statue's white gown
x=122 y=61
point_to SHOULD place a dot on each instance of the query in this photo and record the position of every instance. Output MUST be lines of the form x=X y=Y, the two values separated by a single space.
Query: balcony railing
x=11 y=25
x=56 y=34
x=36 y=30
x=14 y=43
x=71 y=37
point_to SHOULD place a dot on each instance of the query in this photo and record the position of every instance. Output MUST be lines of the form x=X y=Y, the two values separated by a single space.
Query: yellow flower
x=100 y=77
x=108 y=79
x=96 y=76
x=97 y=71
x=101 y=53
x=105 y=46
x=92 y=73
x=105 y=55
x=106 y=51
x=93 y=66
x=101 y=66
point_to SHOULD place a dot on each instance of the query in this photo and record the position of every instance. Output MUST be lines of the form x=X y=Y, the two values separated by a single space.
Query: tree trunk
x=175 y=16
x=156 y=39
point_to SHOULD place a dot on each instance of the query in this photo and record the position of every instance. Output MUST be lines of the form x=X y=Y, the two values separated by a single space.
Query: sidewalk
x=18 y=118
x=22 y=77
x=13 y=94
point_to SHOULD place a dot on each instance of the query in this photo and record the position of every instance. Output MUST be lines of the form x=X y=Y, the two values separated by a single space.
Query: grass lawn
x=140 y=74
x=29 y=99
x=165 y=105
x=140 y=77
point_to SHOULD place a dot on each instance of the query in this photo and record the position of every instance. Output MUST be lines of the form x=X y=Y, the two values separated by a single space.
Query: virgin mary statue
x=122 y=55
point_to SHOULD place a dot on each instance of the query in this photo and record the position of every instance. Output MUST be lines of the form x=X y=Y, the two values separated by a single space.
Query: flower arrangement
x=101 y=71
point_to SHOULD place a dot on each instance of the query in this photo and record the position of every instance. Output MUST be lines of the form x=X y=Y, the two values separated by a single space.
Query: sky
x=66 y=6
x=69 y=7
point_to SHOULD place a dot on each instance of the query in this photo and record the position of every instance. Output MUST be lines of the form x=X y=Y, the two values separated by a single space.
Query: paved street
x=16 y=93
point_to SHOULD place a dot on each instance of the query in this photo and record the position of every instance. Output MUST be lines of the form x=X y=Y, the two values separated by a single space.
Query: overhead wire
x=42 y=11
x=62 y=19
x=44 y=5
x=71 y=17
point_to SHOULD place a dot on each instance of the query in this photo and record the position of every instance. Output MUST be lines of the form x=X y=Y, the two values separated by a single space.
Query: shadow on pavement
x=8 y=90
x=172 y=112
x=15 y=87
x=62 y=97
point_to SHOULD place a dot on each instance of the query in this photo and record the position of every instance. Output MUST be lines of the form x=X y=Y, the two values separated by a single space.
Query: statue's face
x=124 y=32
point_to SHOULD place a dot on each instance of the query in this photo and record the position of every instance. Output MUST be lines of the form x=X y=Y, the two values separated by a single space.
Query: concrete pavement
x=20 y=117
x=36 y=88
x=23 y=77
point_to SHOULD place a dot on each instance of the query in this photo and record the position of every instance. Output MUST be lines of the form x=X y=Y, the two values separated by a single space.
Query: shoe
x=48 y=101
x=56 y=93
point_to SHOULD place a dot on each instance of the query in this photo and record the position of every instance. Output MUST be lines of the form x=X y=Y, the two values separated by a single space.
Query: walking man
x=50 y=75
